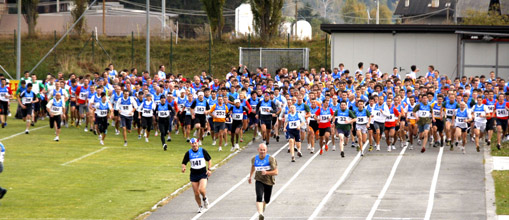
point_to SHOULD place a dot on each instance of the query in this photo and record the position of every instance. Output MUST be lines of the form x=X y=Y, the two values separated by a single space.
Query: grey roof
x=481 y=5
x=419 y=7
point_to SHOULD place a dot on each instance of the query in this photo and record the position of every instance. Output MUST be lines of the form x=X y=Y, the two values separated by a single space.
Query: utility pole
x=296 y=19
x=18 y=47
x=58 y=6
x=148 y=37
x=163 y=19
x=377 y=11
x=104 y=17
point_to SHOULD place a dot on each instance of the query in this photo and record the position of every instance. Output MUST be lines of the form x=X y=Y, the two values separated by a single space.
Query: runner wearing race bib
x=480 y=112
x=198 y=158
x=26 y=100
x=502 y=115
x=390 y=125
x=103 y=112
x=265 y=110
x=146 y=114
x=344 y=118
x=292 y=126
x=450 y=108
x=324 y=117
x=126 y=107
x=490 y=124
x=82 y=93
x=56 y=108
x=424 y=118
x=380 y=112
x=461 y=120
x=438 y=122
x=264 y=168
x=198 y=109
x=363 y=120
x=219 y=112
x=236 y=112
x=313 y=124
x=4 y=102
x=117 y=94
x=163 y=113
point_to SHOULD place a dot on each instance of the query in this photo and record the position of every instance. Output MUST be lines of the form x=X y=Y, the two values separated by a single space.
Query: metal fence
x=274 y=58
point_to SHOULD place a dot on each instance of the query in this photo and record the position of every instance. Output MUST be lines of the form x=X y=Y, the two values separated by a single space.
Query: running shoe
x=187 y=140
x=295 y=149
x=237 y=146
x=411 y=147
x=220 y=148
x=56 y=138
x=377 y=147
x=488 y=143
x=199 y=143
x=326 y=147
x=353 y=144
x=2 y=193
x=370 y=148
x=139 y=137
x=321 y=151
x=261 y=217
x=452 y=148
x=95 y=133
x=101 y=142
x=312 y=150
x=393 y=147
x=26 y=131
x=423 y=150
x=200 y=209
x=177 y=132
x=277 y=138
x=194 y=134
x=362 y=154
x=334 y=147
x=168 y=139
x=309 y=147
x=299 y=154
x=213 y=142
x=478 y=149
x=85 y=130
x=146 y=140
x=232 y=149
x=226 y=144
x=342 y=154
x=389 y=148
x=498 y=146
x=293 y=159
x=205 y=203
x=125 y=143
x=463 y=150
x=165 y=147
x=154 y=134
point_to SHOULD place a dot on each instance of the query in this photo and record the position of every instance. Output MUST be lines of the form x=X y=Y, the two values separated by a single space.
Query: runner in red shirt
x=502 y=114
x=324 y=115
x=490 y=124
x=82 y=94
x=390 y=125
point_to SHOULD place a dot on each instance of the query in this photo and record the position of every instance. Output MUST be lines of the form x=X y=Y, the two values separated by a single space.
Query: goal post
x=274 y=58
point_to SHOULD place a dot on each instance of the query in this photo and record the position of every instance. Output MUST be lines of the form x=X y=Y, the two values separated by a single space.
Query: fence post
x=210 y=52
x=55 y=40
x=14 y=45
x=325 y=51
x=132 y=48
x=93 y=42
x=288 y=40
x=171 y=52
x=249 y=40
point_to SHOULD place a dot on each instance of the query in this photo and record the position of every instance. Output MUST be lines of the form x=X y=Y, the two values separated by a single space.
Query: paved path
x=381 y=185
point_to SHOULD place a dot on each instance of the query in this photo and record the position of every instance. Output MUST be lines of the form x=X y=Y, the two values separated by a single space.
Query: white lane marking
x=431 y=198
x=233 y=188
x=338 y=183
x=387 y=184
x=321 y=217
x=255 y=215
x=84 y=156
x=20 y=133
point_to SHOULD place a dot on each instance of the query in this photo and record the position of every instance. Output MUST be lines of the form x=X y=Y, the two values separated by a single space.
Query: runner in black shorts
x=237 y=114
x=199 y=158
x=266 y=170
x=265 y=110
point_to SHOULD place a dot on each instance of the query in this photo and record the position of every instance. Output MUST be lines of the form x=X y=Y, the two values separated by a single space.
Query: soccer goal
x=274 y=58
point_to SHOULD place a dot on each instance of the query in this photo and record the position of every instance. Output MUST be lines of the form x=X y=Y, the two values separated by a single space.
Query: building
x=455 y=50
x=443 y=11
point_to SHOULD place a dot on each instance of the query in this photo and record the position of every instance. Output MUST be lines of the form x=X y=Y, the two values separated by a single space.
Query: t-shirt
x=266 y=179
x=206 y=156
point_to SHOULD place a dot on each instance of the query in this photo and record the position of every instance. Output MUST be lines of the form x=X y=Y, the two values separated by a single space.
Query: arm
x=185 y=161
x=251 y=174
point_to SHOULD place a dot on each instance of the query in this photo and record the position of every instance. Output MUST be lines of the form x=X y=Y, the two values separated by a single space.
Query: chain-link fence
x=274 y=58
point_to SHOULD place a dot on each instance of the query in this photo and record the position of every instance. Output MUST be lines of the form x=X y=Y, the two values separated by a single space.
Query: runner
x=103 y=111
x=344 y=119
x=237 y=112
x=438 y=123
x=146 y=115
x=324 y=115
x=198 y=109
x=489 y=101
x=480 y=112
x=56 y=108
x=266 y=170
x=313 y=125
x=26 y=100
x=423 y=117
x=380 y=112
x=390 y=125
x=462 y=118
x=198 y=158
x=451 y=107
x=219 y=112
x=2 y=156
x=362 y=123
x=265 y=110
x=117 y=94
x=4 y=102
x=401 y=130
x=501 y=111
x=253 y=119
x=126 y=107
x=163 y=112
x=371 y=128
x=82 y=94
x=292 y=126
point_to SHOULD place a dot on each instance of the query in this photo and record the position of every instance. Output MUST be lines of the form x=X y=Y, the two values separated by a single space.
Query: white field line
x=20 y=133
x=387 y=184
x=84 y=156
x=232 y=188
x=431 y=198
x=280 y=191
x=340 y=181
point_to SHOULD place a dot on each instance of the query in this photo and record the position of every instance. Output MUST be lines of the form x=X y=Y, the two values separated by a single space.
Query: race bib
x=449 y=112
x=424 y=114
x=501 y=113
x=293 y=124
x=83 y=96
x=220 y=113
x=27 y=100
x=102 y=113
x=124 y=107
x=461 y=119
x=265 y=110
x=237 y=116
x=479 y=114
x=56 y=109
x=163 y=114
x=324 y=118
x=490 y=108
x=147 y=111
x=362 y=120
x=262 y=168
x=200 y=109
x=197 y=163
x=436 y=113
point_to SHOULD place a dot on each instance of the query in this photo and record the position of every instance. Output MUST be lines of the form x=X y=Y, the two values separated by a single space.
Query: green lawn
x=504 y=151
x=502 y=191
x=115 y=183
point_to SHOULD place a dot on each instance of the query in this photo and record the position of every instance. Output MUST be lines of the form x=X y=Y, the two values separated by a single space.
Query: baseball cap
x=236 y=101
x=193 y=140
x=200 y=93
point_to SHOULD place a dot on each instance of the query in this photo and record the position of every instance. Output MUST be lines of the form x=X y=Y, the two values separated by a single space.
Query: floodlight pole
x=18 y=46
x=148 y=37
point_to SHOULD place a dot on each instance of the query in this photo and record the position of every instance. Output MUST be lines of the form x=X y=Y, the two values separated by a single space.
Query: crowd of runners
x=314 y=107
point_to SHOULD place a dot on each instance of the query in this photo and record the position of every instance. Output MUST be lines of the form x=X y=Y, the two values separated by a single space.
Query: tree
x=266 y=17
x=306 y=12
x=491 y=17
x=79 y=9
x=385 y=14
x=354 y=12
x=29 y=8
x=214 y=10
x=325 y=4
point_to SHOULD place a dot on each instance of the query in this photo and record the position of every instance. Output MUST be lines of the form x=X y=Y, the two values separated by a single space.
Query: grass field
x=113 y=183
x=502 y=191
x=504 y=151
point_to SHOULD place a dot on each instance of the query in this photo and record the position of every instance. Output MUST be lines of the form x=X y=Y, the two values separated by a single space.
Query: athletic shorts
x=439 y=123
x=389 y=128
x=481 y=126
x=83 y=109
x=4 y=108
x=188 y=120
x=371 y=127
x=412 y=121
x=102 y=124
x=115 y=113
x=236 y=124
x=267 y=123
x=37 y=106
x=126 y=121
x=228 y=126
x=27 y=110
x=402 y=119
x=181 y=116
x=424 y=127
x=379 y=126
x=502 y=123
x=363 y=128
x=314 y=125
x=490 y=125
x=146 y=123
x=294 y=134
x=252 y=119
x=198 y=177
x=57 y=119
x=137 y=121
x=219 y=126
x=73 y=104
x=346 y=133
x=322 y=131
x=201 y=119
x=274 y=120
x=263 y=192
x=462 y=129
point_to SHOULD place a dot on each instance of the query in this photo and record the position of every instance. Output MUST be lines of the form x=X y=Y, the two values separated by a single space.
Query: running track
x=380 y=185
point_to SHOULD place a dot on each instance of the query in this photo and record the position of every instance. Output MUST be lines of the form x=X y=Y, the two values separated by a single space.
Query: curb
x=489 y=184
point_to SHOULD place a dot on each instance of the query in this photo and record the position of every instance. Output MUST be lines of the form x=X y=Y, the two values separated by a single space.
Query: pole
x=377 y=11
x=171 y=52
x=132 y=48
x=104 y=17
x=15 y=43
x=18 y=46
x=288 y=40
x=249 y=40
x=55 y=40
x=296 y=14
x=93 y=48
x=210 y=53
x=58 y=6
x=148 y=38
x=325 y=51
x=163 y=19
